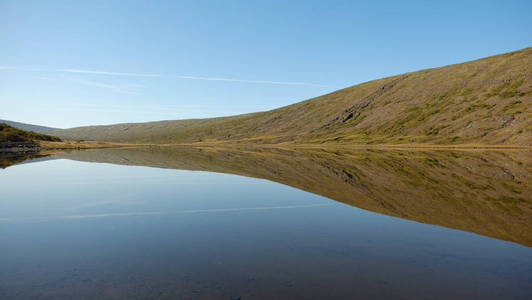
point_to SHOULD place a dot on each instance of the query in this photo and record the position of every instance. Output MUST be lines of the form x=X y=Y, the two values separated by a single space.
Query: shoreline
x=51 y=147
x=354 y=146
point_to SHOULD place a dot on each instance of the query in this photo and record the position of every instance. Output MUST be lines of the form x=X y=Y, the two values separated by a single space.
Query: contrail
x=190 y=77
x=169 y=76
x=252 y=81
x=109 y=73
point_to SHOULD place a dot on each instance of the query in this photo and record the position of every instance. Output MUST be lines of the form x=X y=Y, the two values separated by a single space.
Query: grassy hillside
x=12 y=134
x=487 y=101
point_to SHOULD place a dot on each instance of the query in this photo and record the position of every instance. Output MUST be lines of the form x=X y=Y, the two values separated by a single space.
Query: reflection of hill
x=488 y=193
x=11 y=158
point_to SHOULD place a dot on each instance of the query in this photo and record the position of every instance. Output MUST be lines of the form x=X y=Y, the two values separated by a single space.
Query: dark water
x=74 y=229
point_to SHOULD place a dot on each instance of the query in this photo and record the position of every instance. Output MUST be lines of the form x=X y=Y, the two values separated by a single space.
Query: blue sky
x=72 y=63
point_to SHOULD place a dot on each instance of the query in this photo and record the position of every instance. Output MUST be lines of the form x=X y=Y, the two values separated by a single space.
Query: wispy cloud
x=252 y=81
x=169 y=76
x=93 y=72
x=120 y=88
x=108 y=73
x=7 y=68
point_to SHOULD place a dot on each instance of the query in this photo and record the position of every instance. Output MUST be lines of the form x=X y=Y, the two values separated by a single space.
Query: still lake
x=183 y=223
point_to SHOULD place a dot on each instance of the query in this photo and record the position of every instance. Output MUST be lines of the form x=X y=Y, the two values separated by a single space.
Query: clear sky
x=72 y=63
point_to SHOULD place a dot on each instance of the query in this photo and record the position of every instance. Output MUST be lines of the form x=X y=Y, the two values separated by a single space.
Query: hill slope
x=487 y=101
x=12 y=134
x=28 y=127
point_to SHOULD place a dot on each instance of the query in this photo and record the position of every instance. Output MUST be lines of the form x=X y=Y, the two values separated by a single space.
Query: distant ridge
x=486 y=101
x=29 y=127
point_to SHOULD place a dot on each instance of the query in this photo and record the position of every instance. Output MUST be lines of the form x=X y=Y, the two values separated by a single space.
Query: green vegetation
x=513 y=105
x=12 y=134
x=487 y=101
x=508 y=90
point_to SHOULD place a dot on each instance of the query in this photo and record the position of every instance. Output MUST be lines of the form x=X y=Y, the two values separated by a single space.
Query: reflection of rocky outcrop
x=487 y=192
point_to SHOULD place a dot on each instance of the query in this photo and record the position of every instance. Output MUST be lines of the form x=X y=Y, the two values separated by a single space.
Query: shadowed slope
x=482 y=192
x=12 y=134
x=487 y=101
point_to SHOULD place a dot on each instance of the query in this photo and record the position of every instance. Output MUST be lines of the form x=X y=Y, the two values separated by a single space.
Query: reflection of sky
x=59 y=187
x=70 y=215
x=65 y=189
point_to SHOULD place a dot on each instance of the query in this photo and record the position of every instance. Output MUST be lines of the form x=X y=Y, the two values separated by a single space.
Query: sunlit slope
x=487 y=101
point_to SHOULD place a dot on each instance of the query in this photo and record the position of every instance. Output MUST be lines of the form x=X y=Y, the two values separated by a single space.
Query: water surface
x=187 y=223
